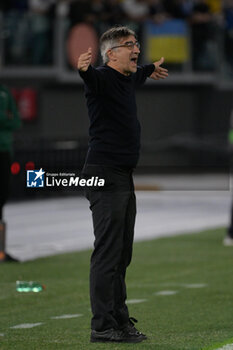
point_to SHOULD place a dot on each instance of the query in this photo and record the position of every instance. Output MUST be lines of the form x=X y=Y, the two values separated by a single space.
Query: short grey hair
x=111 y=38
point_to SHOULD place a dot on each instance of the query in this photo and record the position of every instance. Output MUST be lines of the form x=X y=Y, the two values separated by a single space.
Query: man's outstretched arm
x=153 y=71
x=91 y=76
x=159 y=72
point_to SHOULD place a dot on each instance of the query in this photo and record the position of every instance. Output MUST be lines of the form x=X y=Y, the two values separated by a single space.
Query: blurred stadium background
x=185 y=119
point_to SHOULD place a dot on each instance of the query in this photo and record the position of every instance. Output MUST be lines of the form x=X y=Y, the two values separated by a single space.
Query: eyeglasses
x=129 y=44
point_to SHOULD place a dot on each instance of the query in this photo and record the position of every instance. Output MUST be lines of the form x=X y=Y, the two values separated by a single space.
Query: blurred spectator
x=15 y=30
x=18 y=5
x=62 y=8
x=9 y=121
x=136 y=10
x=28 y=29
x=81 y=11
x=187 y=7
x=176 y=8
x=203 y=36
x=157 y=11
x=107 y=14
x=228 y=15
x=113 y=13
x=41 y=28
x=98 y=7
x=3 y=6
x=100 y=15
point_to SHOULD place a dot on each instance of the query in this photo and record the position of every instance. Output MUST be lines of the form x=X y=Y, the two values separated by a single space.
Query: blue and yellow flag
x=215 y=6
x=168 y=39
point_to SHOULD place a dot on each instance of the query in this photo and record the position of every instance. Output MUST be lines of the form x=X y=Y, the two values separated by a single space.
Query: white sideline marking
x=135 y=301
x=65 y=316
x=27 y=325
x=195 y=285
x=226 y=347
x=166 y=292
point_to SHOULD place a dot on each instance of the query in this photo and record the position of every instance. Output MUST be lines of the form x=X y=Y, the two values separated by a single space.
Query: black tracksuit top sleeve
x=144 y=72
x=93 y=78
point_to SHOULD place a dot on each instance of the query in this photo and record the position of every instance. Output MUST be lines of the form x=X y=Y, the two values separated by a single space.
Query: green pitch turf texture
x=192 y=319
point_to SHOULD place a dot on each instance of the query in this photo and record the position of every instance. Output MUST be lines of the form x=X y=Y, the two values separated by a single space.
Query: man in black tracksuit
x=113 y=154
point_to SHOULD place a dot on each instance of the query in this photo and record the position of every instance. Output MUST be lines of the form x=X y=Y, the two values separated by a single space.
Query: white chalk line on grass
x=166 y=292
x=135 y=301
x=154 y=285
x=185 y=285
x=226 y=347
x=130 y=301
x=195 y=285
x=27 y=325
x=32 y=325
x=65 y=316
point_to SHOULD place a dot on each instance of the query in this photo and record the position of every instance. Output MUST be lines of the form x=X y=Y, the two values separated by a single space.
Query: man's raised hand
x=84 y=60
x=160 y=72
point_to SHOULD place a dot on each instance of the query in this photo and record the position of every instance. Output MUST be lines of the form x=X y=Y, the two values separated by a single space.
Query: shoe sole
x=144 y=337
x=228 y=243
x=116 y=341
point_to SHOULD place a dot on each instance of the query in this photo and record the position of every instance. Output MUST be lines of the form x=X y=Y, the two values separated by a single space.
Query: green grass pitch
x=191 y=319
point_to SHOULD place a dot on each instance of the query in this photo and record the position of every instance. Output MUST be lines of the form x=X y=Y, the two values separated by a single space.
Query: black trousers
x=230 y=228
x=113 y=212
x=5 y=165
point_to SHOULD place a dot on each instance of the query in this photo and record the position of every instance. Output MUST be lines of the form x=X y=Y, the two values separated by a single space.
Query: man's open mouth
x=134 y=59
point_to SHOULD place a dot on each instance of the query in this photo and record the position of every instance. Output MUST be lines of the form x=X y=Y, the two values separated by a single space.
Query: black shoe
x=130 y=329
x=7 y=258
x=10 y=258
x=228 y=241
x=114 y=335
